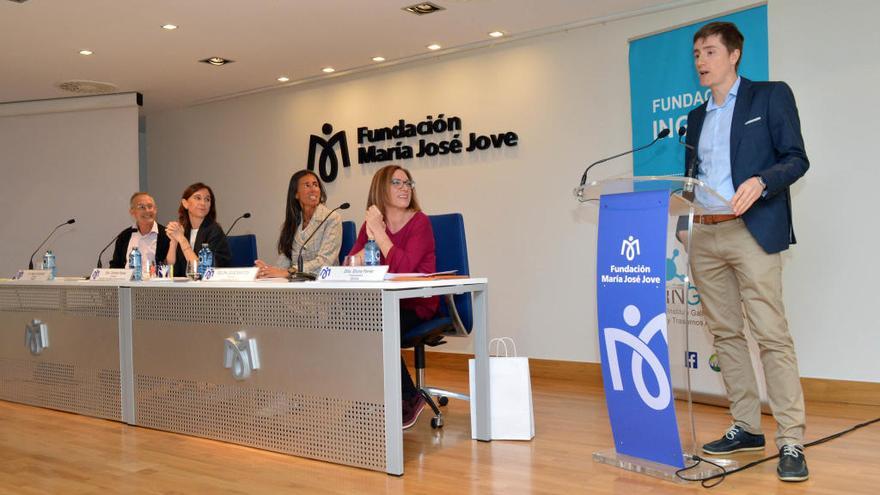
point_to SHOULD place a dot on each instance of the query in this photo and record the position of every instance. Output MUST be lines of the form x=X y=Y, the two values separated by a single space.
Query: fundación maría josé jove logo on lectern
x=327 y=160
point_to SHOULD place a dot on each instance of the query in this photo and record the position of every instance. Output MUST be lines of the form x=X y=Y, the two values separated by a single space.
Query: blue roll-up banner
x=664 y=85
x=631 y=297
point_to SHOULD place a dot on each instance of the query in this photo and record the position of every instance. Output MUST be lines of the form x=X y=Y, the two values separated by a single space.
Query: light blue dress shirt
x=714 y=148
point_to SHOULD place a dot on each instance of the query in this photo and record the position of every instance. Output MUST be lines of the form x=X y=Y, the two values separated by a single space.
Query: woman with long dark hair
x=304 y=212
x=196 y=225
x=406 y=241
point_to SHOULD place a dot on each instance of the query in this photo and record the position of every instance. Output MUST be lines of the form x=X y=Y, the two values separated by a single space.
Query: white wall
x=567 y=96
x=60 y=159
x=827 y=52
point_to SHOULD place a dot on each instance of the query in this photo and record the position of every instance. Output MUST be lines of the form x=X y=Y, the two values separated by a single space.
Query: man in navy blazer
x=746 y=144
x=147 y=234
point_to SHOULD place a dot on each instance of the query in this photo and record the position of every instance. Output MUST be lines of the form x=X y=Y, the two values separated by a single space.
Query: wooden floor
x=44 y=451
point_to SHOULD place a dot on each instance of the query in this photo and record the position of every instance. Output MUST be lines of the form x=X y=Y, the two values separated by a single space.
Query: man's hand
x=748 y=192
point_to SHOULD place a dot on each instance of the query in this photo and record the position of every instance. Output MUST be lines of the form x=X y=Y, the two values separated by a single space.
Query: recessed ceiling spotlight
x=434 y=46
x=328 y=70
x=496 y=34
x=217 y=61
x=283 y=79
x=85 y=52
x=378 y=59
x=169 y=27
x=423 y=8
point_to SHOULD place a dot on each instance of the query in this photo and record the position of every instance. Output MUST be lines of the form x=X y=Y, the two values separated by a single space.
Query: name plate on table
x=34 y=275
x=231 y=274
x=112 y=274
x=352 y=273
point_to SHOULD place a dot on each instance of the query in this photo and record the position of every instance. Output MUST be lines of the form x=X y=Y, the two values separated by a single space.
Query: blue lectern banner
x=631 y=296
x=664 y=86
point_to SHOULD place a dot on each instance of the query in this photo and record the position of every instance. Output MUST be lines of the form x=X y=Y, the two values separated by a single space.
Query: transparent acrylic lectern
x=687 y=197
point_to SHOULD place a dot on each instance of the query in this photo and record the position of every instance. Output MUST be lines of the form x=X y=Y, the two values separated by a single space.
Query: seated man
x=147 y=235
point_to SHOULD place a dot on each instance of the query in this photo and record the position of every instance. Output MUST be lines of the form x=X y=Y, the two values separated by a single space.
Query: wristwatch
x=761 y=181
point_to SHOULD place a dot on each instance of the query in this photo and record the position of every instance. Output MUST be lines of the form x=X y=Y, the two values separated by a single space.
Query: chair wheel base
x=443 y=400
x=437 y=422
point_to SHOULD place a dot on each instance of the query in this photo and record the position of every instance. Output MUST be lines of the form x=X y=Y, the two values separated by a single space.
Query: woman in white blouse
x=305 y=211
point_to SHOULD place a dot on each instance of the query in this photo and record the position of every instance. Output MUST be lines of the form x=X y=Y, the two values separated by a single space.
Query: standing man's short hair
x=729 y=34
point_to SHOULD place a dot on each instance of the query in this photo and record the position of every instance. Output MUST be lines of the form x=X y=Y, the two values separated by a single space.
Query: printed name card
x=352 y=273
x=231 y=274
x=112 y=274
x=33 y=275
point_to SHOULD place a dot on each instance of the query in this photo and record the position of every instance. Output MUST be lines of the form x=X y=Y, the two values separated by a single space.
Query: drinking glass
x=192 y=270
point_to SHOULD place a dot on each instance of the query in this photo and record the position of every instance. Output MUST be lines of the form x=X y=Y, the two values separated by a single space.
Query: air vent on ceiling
x=88 y=87
x=423 y=8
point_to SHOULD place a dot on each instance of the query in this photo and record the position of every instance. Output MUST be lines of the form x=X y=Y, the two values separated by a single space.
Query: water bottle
x=49 y=264
x=135 y=263
x=206 y=259
x=371 y=253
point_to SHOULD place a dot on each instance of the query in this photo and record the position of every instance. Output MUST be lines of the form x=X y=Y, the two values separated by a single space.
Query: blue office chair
x=454 y=317
x=244 y=250
x=349 y=235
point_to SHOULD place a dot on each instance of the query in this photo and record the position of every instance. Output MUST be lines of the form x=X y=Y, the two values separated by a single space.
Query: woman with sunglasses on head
x=406 y=242
x=304 y=212
x=196 y=225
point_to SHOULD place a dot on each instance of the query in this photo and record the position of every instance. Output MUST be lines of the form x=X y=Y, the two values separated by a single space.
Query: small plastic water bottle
x=135 y=263
x=371 y=253
x=49 y=264
x=206 y=259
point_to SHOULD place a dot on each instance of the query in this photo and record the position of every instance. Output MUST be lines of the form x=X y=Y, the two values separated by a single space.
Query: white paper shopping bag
x=511 y=412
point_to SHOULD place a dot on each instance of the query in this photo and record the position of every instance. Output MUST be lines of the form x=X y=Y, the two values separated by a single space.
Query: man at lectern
x=749 y=148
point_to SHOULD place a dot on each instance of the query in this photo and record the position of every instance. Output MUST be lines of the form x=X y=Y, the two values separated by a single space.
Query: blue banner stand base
x=662 y=471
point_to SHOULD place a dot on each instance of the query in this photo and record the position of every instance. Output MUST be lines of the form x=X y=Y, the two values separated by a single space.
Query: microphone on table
x=31 y=264
x=300 y=275
x=126 y=231
x=244 y=215
x=661 y=135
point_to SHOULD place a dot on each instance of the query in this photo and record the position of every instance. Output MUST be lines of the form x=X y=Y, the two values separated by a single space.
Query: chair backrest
x=244 y=250
x=349 y=235
x=450 y=245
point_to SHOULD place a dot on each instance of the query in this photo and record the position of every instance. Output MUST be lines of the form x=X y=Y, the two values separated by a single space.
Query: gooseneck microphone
x=300 y=275
x=31 y=264
x=244 y=215
x=661 y=135
x=694 y=162
x=128 y=230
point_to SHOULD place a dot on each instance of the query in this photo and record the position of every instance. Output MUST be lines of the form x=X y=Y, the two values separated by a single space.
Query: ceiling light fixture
x=85 y=52
x=423 y=8
x=283 y=79
x=216 y=61
x=496 y=34
x=328 y=70
x=378 y=59
x=169 y=27
x=434 y=46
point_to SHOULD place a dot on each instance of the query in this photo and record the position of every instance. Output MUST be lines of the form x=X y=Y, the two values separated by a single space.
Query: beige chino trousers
x=733 y=273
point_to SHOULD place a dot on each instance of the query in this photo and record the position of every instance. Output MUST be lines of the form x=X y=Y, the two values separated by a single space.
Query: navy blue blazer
x=209 y=233
x=120 y=250
x=765 y=140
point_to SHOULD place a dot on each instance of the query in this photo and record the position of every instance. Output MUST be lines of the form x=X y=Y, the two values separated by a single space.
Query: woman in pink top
x=405 y=238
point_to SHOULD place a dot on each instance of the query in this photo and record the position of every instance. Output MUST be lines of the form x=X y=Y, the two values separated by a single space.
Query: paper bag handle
x=502 y=341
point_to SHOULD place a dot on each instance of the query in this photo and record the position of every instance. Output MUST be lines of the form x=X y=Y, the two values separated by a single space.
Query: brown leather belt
x=713 y=219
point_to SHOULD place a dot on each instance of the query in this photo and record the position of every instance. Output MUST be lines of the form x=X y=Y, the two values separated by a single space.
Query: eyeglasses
x=401 y=183
x=145 y=207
